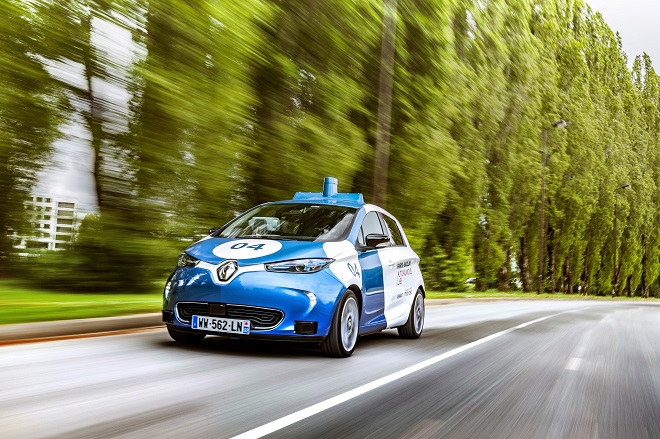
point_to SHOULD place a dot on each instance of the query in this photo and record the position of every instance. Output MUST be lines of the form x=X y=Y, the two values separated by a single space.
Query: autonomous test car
x=323 y=267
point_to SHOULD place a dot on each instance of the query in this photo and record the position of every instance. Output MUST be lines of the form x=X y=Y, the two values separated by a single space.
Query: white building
x=53 y=224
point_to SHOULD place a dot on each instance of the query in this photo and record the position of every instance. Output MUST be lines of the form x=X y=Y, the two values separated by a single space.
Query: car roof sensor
x=329 y=192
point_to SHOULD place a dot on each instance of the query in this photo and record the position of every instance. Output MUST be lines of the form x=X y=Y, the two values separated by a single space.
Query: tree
x=310 y=111
x=29 y=117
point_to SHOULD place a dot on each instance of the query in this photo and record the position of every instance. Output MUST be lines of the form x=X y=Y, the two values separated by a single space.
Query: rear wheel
x=185 y=337
x=415 y=324
x=342 y=337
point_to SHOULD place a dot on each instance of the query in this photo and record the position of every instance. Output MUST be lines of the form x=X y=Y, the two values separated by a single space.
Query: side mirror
x=377 y=240
x=214 y=230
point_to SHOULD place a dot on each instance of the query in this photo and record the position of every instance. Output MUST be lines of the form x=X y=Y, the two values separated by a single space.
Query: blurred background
x=128 y=128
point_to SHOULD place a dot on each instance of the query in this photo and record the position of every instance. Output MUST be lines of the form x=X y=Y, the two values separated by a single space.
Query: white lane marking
x=573 y=363
x=279 y=424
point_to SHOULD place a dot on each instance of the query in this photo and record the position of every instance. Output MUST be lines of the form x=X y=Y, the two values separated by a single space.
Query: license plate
x=217 y=324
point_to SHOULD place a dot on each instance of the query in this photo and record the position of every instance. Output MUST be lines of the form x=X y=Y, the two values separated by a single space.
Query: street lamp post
x=561 y=123
x=615 y=274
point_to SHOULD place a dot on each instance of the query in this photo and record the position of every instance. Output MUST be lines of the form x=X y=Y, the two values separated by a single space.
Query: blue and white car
x=322 y=267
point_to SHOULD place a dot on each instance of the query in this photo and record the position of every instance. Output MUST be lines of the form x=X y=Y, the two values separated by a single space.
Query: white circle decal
x=246 y=249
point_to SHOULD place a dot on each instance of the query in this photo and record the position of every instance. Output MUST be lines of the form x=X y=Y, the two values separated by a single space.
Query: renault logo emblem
x=227 y=269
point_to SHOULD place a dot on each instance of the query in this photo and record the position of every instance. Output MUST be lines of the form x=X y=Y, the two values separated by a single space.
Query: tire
x=415 y=324
x=342 y=338
x=185 y=337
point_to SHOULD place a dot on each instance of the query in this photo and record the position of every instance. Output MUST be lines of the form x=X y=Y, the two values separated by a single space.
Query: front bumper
x=258 y=335
x=195 y=288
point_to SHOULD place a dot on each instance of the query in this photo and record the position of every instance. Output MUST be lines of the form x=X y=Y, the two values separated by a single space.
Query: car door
x=400 y=263
x=373 y=300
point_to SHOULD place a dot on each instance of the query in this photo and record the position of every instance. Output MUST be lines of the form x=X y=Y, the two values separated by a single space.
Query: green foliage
x=442 y=272
x=234 y=104
x=29 y=114
x=97 y=264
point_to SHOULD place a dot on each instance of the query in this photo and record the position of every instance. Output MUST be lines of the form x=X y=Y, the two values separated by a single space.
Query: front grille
x=260 y=318
x=186 y=310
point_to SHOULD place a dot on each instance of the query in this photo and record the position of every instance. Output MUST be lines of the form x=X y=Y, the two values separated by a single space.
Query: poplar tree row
x=231 y=104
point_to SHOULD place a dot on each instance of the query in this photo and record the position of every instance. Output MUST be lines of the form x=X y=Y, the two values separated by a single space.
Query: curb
x=63 y=329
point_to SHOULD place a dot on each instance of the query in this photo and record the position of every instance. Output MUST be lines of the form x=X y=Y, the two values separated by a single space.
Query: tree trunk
x=504 y=272
x=523 y=264
x=552 y=261
x=567 y=278
x=645 y=287
x=382 y=153
x=584 y=278
x=94 y=114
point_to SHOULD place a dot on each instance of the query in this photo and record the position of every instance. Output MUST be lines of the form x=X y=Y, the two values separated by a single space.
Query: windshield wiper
x=272 y=237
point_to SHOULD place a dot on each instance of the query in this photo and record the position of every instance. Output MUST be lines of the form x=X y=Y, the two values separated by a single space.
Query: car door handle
x=390 y=264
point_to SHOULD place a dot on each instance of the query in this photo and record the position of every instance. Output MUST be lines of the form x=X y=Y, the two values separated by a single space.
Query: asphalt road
x=541 y=369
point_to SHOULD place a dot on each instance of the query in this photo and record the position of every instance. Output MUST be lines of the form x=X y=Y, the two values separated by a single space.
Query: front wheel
x=415 y=324
x=341 y=339
x=185 y=337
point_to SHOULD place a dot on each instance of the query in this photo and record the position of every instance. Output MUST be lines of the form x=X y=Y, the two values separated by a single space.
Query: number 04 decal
x=353 y=268
x=247 y=249
x=245 y=245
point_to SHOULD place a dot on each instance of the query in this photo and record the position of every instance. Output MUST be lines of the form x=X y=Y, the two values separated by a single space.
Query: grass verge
x=471 y=294
x=21 y=304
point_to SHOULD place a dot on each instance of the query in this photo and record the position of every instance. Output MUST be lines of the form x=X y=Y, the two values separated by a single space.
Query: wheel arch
x=358 y=295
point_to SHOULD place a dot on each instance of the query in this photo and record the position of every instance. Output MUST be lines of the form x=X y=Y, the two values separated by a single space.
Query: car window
x=370 y=224
x=301 y=222
x=395 y=234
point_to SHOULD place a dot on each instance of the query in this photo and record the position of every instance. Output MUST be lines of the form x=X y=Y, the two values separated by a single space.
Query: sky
x=637 y=23
x=68 y=176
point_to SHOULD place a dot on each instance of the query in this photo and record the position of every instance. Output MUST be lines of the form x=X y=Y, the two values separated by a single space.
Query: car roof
x=346 y=200
x=330 y=201
x=353 y=200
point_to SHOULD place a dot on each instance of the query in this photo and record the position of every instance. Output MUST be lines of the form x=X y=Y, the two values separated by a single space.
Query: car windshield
x=301 y=222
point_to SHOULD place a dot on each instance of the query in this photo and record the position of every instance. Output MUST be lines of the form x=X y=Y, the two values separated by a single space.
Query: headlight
x=299 y=265
x=185 y=260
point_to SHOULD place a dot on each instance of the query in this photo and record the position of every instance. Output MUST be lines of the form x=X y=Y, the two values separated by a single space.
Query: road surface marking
x=279 y=424
x=573 y=363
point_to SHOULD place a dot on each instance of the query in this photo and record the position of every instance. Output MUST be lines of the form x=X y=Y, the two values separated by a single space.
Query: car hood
x=261 y=251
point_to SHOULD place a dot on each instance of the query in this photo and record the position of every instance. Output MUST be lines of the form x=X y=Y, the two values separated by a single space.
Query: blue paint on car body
x=294 y=262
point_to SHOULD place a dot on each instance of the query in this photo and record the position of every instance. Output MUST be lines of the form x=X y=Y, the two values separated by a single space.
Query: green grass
x=22 y=304
x=471 y=294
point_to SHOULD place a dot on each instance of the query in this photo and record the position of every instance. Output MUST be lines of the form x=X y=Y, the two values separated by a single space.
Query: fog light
x=168 y=316
x=305 y=328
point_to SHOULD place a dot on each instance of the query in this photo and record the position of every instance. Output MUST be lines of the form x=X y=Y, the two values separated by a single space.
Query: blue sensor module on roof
x=329 y=192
